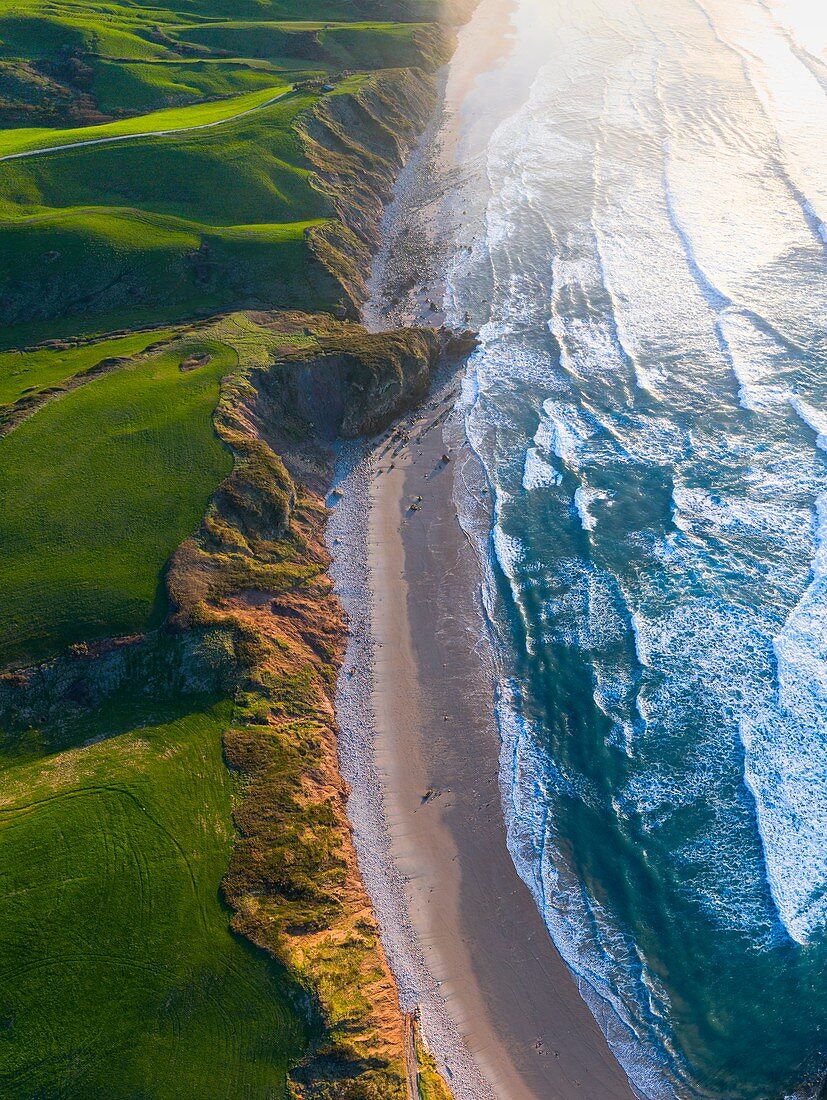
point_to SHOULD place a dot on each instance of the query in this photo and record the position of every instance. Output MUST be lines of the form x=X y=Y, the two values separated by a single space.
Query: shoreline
x=464 y=938
x=419 y=744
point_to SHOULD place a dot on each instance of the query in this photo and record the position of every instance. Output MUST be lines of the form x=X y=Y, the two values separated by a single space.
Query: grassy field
x=245 y=172
x=98 y=489
x=151 y=85
x=119 y=975
x=28 y=372
x=211 y=113
x=90 y=238
x=219 y=221
x=325 y=46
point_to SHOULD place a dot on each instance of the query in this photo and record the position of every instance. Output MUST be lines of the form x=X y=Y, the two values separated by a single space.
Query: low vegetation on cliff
x=163 y=170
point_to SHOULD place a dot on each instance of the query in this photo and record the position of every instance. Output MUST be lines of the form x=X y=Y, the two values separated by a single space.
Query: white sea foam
x=584 y=498
x=606 y=609
x=785 y=747
x=813 y=418
x=537 y=472
x=644 y=215
x=509 y=550
x=565 y=432
x=697 y=510
x=756 y=360
x=530 y=783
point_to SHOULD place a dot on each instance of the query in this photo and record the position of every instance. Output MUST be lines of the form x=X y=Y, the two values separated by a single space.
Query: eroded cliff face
x=359 y=139
x=357 y=142
x=257 y=568
x=353 y=382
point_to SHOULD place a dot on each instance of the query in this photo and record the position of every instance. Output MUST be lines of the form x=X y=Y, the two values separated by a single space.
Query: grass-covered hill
x=130 y=232
x=74 y=62
x=85 y=538
x=153 y=162
x=181 y=916
x=119 y=975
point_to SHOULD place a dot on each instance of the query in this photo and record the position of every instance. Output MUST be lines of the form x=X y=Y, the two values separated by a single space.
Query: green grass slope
x=33 y=138
x=31 y=372
x=98 y=489
x=143 y=86
x=219 y=222
x=329 y=45
x=249 y=171
x=120 y=977
x=89 y=238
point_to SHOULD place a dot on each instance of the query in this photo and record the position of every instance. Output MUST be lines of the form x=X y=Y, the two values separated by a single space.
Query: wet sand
x=420 y=748
x=437 y=749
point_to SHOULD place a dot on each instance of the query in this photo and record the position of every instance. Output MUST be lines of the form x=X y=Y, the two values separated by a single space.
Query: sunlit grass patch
x=26 y=139
x=27 y=372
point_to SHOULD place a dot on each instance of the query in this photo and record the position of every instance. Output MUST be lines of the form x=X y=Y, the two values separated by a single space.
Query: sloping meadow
x=153 y=163
x=183 y=915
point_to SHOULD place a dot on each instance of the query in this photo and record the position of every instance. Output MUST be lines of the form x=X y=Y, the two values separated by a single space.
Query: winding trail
x=146 y=133
x=411 y=1061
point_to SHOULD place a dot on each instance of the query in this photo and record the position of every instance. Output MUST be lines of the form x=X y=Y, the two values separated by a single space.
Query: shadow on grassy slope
x=220 y=221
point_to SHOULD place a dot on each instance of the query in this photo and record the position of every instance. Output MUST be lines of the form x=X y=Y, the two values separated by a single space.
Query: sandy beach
x=421 y=751
x=419 y=744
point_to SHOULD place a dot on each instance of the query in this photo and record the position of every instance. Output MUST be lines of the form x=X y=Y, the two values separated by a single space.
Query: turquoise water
x=650 y=407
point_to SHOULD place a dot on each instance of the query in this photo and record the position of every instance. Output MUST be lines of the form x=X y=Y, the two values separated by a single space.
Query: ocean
x=642 y=247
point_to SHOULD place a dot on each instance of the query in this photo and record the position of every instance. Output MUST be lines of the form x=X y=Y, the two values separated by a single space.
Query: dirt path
x=145 y=133
x=411 y=1060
